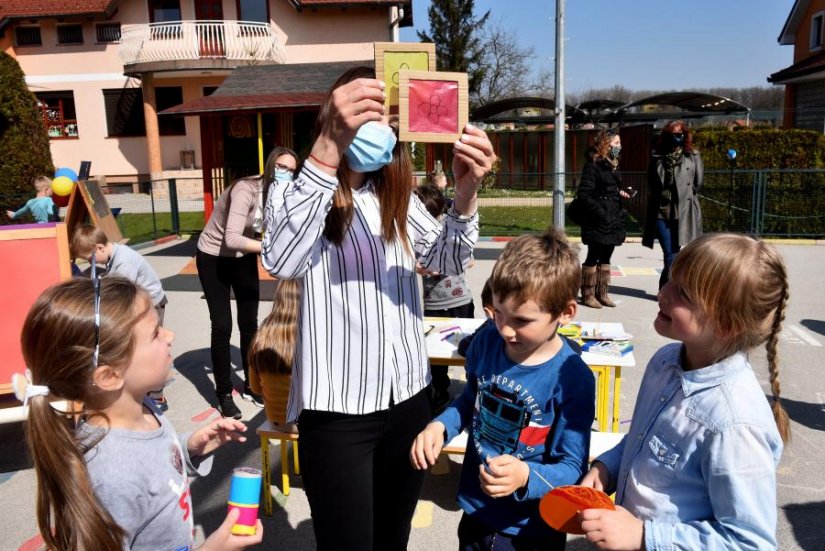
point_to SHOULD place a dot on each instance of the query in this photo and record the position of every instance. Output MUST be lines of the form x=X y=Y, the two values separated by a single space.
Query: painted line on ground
x=640 y=271
x=804 y=335
x=423 y=517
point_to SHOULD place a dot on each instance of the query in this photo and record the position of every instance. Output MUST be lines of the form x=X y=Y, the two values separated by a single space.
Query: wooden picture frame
x=88 y=201
x=391 y=57
x=36 y=257
x=434 y=106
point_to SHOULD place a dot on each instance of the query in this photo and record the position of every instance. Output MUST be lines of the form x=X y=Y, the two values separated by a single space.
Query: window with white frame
x=817 y=22
x=58 y=112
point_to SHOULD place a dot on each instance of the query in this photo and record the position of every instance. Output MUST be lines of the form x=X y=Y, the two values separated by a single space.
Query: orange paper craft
x=560 y=506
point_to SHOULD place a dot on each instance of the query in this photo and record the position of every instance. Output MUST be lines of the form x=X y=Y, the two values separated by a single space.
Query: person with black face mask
x=350 y=228
x=675 y=177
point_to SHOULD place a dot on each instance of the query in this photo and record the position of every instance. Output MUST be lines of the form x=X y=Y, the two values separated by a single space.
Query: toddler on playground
x=697 y=470
x=446 y=296
x=118 y=477
x=42 y=207
x=124 y=261
x=528 y=401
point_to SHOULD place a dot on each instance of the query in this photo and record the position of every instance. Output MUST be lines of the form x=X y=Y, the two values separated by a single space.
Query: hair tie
x=24 y=390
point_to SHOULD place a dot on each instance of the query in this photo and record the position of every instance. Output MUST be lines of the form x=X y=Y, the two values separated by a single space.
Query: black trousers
x=356 y=469
x=598 y=254
x=474 y=535
x=219 y=274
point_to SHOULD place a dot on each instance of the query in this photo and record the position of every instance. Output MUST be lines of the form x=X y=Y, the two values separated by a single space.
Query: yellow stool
x=267 y=431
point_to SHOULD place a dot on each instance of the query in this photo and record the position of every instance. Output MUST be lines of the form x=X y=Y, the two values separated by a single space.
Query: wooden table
x=443 y=335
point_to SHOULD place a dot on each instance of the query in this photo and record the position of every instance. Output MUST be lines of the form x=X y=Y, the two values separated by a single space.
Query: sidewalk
x=801 y=496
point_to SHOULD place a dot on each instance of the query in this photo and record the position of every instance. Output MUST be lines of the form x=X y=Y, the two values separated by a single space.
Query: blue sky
x=647 y=44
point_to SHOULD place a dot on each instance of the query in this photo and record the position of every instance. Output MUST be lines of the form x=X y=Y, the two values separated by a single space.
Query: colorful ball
x=67 y=172
x=60 y=200
x=62 y=185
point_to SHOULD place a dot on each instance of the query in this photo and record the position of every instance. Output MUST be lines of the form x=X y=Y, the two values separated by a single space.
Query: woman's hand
x=351 y=105
x=473 y=157
x=214 y=435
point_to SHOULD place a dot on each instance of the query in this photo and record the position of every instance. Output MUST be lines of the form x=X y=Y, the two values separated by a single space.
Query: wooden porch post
x=150 y=115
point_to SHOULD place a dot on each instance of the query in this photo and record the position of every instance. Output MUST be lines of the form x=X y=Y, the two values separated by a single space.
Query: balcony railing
x=192 y=40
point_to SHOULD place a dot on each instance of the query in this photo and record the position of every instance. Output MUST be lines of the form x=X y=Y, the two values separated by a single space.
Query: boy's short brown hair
x=543 y=268
x=41 y=183
x=85 y=239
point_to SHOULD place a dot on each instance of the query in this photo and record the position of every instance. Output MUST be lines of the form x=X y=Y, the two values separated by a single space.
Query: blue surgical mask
x=372 y=147
x=283 y=176
x=615 y=150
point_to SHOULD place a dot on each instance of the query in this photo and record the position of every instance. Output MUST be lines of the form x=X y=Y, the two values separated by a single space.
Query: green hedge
x=761 y=148
x=24 y=144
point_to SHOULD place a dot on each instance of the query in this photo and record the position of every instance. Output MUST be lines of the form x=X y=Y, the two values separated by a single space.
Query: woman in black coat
x=603 y=226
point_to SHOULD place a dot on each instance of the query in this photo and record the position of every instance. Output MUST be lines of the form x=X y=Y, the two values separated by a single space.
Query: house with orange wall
x=102 y=70
x=804 y=81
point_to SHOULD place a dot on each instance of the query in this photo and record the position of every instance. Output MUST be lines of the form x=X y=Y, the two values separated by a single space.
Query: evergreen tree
x=24 y=143
x=456 y=33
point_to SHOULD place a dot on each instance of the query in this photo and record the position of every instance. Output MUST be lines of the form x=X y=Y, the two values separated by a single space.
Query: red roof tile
x=319 y=3
x=44 y=8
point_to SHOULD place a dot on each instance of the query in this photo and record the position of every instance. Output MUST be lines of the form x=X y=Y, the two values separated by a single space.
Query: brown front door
x=211 y=35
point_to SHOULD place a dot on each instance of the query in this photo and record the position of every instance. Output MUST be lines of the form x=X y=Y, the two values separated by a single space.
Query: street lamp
x=732 y=164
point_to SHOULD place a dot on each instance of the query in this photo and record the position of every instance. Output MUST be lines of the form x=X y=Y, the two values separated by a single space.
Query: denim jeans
x=667 y=231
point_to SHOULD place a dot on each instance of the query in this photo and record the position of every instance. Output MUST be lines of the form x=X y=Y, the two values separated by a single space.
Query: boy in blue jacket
x=529 y=401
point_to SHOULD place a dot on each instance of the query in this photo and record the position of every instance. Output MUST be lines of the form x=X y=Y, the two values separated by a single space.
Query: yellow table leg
x=285 y=466
x=296 y=464
x=267 y=477
x=617 y=387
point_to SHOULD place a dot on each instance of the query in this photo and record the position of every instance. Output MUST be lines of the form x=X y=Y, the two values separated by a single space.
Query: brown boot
x=602 y=283
x=589 y=287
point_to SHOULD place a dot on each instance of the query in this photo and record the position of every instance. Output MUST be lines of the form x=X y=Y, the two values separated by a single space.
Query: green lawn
x=494 y=221
x=517 y=220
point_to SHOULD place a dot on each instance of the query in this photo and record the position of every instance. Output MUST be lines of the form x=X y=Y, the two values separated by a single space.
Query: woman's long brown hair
x=58 y=343
x=392 y=182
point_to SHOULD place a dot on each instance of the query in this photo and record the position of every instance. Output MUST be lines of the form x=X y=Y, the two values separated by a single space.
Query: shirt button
x=661 y=452
x=640 y=437
x=661 y=398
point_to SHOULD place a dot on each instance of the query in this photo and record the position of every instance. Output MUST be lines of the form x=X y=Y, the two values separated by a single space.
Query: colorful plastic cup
x=245 y=495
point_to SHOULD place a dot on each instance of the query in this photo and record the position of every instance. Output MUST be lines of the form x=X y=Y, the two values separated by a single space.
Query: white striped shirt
x=360 y=338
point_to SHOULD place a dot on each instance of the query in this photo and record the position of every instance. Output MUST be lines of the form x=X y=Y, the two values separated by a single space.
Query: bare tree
x=505 y=65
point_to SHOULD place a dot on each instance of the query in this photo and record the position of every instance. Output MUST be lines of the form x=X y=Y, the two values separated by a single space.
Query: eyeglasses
x=279 y=166
x=96 y=287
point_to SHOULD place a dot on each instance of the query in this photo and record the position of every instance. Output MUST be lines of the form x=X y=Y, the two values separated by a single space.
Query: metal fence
x=770 y=203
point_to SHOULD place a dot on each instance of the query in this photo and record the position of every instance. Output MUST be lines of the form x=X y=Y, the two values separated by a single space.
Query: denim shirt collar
x=714 y=374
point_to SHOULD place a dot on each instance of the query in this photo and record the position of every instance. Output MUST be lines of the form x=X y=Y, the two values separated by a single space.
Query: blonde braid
x=779 y=413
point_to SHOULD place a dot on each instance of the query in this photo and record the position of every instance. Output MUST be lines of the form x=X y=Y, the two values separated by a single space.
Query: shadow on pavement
x=196 y=365
x=817 y=326
x=806 y=522
x=631 y=292
x=804 y=413
x=186 y=247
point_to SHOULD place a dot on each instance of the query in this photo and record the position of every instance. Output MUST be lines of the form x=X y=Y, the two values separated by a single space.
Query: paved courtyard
x=801 y=482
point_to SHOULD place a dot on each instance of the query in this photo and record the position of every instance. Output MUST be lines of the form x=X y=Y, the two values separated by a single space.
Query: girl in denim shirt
x=698 y=468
